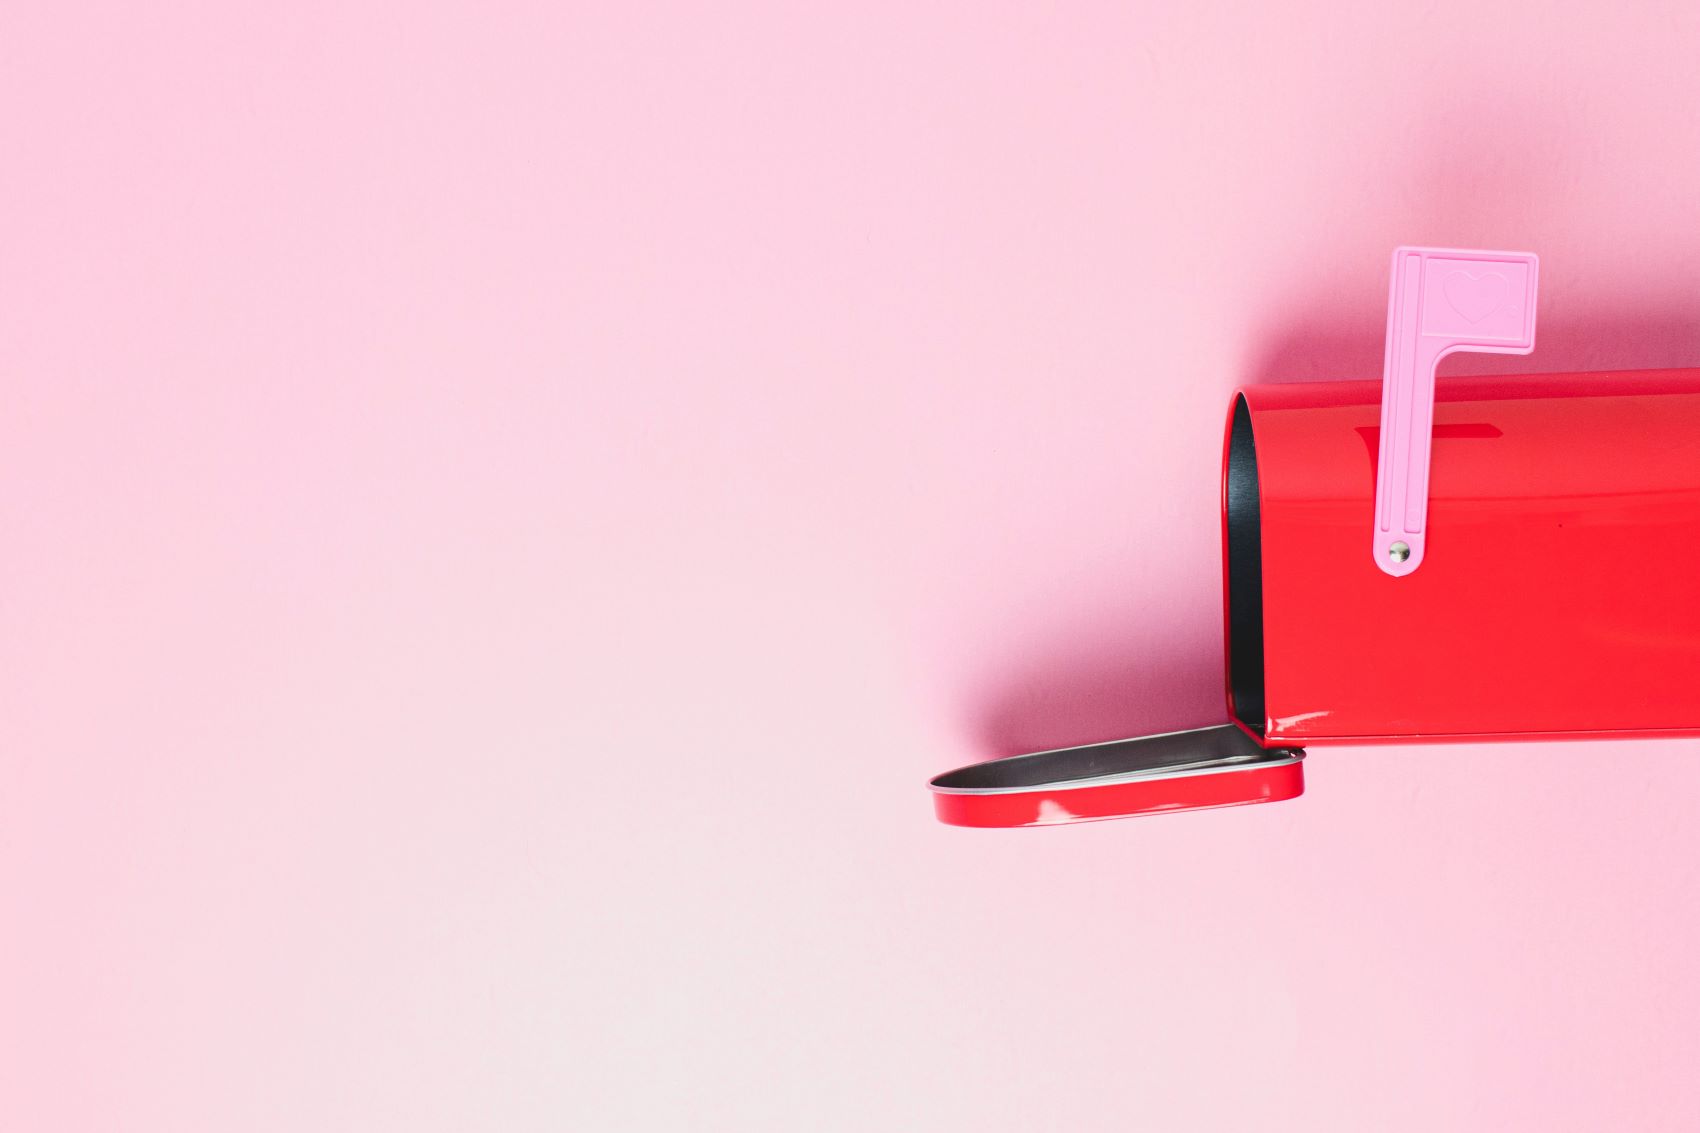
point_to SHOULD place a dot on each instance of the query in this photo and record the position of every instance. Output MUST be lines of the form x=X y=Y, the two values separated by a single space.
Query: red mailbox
x=1557 y=596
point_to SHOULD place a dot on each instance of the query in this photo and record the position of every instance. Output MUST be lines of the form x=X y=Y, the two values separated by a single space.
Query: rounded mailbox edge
x=1123 y=800
x=1118 y=780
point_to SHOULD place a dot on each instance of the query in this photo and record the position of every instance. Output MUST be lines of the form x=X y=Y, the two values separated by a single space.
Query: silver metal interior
x=1201 y=751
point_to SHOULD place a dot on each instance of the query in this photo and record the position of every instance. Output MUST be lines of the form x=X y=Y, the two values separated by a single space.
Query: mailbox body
x=1560 y=594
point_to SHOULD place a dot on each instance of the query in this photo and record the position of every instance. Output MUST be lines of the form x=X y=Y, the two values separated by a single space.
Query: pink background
x=505 y=507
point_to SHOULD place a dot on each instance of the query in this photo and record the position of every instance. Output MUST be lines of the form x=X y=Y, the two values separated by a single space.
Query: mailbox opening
x=1244 y=551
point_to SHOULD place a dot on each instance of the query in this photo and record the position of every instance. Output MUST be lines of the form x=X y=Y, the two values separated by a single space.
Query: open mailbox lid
x=1193 y=770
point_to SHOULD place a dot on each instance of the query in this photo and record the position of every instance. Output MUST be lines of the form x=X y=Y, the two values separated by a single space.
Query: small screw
x=1399 y=552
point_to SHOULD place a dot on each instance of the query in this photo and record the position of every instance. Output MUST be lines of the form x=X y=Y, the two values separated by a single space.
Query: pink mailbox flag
x=1442 y=300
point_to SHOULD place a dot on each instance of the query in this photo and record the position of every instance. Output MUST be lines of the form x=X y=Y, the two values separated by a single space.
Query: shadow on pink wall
x=1658 y=338
x=1088 y=683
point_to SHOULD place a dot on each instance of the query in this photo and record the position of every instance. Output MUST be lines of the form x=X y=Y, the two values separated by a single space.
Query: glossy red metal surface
x=1559 y=596
x=1055 y=805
